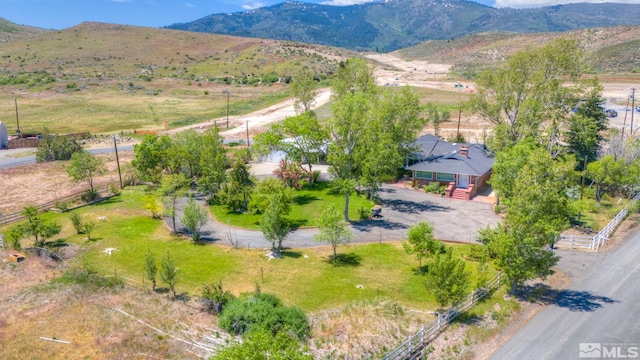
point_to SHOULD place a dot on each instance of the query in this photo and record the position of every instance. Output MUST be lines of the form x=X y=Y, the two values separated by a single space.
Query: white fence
x=415 y=346
x=594 y=243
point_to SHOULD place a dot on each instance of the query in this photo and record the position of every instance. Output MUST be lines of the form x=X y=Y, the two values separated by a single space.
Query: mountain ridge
x=392 y=24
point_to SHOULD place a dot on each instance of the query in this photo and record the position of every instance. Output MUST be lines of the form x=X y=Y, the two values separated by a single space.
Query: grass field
x=303 y=277
x=308 y=204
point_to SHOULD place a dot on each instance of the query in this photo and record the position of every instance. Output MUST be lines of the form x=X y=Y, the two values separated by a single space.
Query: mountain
x=10 y=31
x=395 y=24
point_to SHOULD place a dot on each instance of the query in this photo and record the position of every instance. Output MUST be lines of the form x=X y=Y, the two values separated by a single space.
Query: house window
x=424 y=175
x=445 y=177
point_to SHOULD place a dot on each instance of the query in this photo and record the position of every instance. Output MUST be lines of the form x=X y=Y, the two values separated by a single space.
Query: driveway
x=453 y=220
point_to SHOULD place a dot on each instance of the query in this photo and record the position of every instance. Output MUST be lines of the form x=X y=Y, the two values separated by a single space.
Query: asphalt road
x=453 y=220
x=599 y=313
x=7 y=162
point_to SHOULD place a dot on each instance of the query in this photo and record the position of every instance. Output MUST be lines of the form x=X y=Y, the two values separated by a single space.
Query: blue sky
x=60 y=14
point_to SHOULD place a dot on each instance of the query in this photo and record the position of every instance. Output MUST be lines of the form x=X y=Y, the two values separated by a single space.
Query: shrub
x=76 y=220
x=89 y=195
x=263 y=311
x=435 y=188
x=214 y=298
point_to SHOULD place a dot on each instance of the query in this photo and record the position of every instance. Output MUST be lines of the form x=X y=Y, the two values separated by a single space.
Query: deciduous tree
x=85 y=166
x=237 y=192
x=150 y=268
x=333 y=229
x=420 y=241
x=173 y=186
x=38 y=228
x=448 y=279
x=193 y=218
x=169 y=273
x=274 y=225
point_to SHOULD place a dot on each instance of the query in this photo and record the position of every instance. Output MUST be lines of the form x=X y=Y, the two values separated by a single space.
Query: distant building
x=4 y=136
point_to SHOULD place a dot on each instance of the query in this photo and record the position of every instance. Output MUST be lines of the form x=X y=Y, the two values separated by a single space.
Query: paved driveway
x=453 y=220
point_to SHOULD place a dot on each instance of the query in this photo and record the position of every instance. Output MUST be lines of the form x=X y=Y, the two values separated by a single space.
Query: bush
x=364 y=213
x=214 y=298
x=76 y=220
x=263 y=311
x=89 y=195
x=435 y=188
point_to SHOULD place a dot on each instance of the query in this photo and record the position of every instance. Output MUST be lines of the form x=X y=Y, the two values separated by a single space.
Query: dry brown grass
x=31 y=308
x=41 y=183
x=363 y=330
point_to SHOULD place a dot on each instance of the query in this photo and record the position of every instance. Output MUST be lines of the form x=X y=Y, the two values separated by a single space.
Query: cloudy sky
x=60 y=14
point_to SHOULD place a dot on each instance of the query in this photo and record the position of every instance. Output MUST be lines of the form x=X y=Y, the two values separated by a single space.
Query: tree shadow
x=295 y=224
x=184 y=297
x=344 y=260
x=291 y=254
x=162 y=290
x=305 y=199
x=379 y=223
x=412 y=207
x=574 y=300
x=421 y=270
x=59 y=243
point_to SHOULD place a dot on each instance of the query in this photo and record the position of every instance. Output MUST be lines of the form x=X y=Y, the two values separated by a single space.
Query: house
x=462 y=168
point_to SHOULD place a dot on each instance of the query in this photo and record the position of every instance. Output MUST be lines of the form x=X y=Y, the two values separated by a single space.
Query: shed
x=4 y=136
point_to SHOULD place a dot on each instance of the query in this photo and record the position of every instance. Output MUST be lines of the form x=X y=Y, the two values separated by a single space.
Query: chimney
x=464 y=150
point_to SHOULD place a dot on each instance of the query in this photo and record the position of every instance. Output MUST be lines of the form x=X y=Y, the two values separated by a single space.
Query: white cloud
x=253 y=5
x=345 y=2
x=189 y=5
x=519 y=4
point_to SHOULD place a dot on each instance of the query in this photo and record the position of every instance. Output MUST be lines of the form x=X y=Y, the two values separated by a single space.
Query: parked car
x=611 y=113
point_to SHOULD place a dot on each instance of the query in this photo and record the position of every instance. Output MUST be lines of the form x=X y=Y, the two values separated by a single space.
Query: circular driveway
x=453 y=220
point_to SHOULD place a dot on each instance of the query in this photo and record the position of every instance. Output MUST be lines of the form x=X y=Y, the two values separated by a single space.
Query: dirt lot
x=41 y=183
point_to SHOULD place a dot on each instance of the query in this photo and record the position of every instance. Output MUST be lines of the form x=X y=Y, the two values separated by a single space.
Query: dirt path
x=257 y=121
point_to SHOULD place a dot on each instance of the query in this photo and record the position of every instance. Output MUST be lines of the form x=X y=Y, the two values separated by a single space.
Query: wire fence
x=102 y=191
x=415 y=347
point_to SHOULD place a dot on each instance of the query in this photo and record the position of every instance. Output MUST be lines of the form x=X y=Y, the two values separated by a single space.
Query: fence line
x=414 y=347
x=594 y=243
x=18 y=216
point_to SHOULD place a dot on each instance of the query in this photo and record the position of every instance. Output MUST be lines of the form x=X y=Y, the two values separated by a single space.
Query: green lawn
x=308 y=203
x=303 y=277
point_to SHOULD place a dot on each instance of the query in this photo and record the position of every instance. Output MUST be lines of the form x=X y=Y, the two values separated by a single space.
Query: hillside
x=10 y=31
x=103 y=77
x=615 y=49
x=394 y=24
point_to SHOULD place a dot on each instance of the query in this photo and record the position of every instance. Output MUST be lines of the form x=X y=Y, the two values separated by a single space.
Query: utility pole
x=247 y=126
x=115 y=145
x=459 y=117
x=226 y=91
x=17 y=119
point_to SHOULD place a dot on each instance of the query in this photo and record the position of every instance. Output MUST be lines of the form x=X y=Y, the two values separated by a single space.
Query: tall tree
x=300 y=137
x=528 y=91
x=303 y=90
x=154 y=156
x=85 y=166
x=333 y=229
x=169 y=273
x=537 y=210
x=193 y=218
x=274 y=225
x=56 y=147
x=188 y=151
x=585 y=128
x=213 y=162
x=270 y=189
x=448 y=279
x=237 y=192
x=172 y=187
x=420 y=241
x=369 y=130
